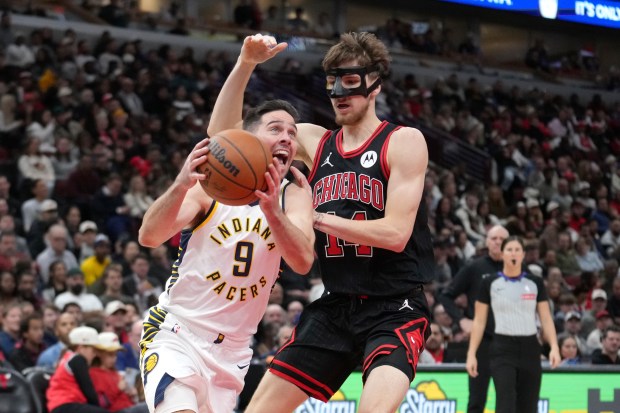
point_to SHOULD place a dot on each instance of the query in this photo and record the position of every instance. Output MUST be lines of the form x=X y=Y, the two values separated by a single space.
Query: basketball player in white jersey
x=196 y=341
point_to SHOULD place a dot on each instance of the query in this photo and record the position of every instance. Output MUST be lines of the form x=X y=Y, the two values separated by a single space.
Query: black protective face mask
x=350 y=81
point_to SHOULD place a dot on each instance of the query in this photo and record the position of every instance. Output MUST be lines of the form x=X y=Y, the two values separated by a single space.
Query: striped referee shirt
x=513 y=301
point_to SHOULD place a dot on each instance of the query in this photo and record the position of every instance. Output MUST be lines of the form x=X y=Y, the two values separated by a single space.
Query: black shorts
x=337 y=333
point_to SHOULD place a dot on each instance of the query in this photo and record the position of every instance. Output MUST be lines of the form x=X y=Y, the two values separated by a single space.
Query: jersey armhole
x=385 y=168
x=319 y=152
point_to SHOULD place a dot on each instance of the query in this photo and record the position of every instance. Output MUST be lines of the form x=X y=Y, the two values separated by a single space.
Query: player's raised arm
x=182 y=202
x=407 y=159
x=227 y=112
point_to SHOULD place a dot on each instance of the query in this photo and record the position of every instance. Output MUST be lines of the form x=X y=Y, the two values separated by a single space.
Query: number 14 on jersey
x=335 y=246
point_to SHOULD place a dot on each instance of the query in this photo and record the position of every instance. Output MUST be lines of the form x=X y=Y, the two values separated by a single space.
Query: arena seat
x=16 y=394
x=39 y=379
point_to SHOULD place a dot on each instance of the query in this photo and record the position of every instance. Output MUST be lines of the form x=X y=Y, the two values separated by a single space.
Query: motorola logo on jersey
x=349 y=185
x=369 y=159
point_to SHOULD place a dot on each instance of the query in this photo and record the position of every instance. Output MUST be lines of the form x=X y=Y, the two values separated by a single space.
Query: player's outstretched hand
x=258 y=48
x=189 y=174
x=472 y=366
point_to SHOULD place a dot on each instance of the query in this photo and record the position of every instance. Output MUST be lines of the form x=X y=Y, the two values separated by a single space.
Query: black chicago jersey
x=353 y=185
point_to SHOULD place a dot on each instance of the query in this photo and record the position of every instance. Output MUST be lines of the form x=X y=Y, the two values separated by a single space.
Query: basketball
x=235 y=167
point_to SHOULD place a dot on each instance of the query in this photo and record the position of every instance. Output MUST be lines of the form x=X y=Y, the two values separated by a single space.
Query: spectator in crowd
x=128 y=361
x=27 y=288
x=9 y=255
x=7 y=224
x=30 y=344
x=50 y=356
x=57 y=239
x=32 y=206
x=247 y=14
x=293 y=311
x=610 y=240
x=140 y=285
x=77 y=294
x=5 y=194
x=114 y=14
x=603 y=321
x=87 y=232
x=298 y=23
x=50 y=315
x=323 y=26
x=613 y=304
x=115 y=393
x=434 y=348
x=112 y=281
x=71 y=388
x=468 y=216
x=11 y=319
x=587 y=256
x=8 y=287
x=114 y=321
x=47 y=217
x=57 y=283
x=34 y=165
x=572 y=328
x=137 y=198
x=94 y=266
x=6 y=31
x=109 y=209
x=569 y=351
x=610 y=345
x=566 y=258
x=276 y=315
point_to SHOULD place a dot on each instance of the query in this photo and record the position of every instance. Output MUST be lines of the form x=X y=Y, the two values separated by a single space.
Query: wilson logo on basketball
x=219 y=153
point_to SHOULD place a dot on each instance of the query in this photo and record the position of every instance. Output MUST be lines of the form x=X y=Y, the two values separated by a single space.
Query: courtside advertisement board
x=446 y=392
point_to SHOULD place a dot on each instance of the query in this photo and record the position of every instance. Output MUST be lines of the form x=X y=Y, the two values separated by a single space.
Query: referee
x=515 y=297
x=467 y=281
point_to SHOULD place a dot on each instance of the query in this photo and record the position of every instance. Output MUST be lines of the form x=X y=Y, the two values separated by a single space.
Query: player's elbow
x=303 y=265
x=146 y=239
x=397 y=243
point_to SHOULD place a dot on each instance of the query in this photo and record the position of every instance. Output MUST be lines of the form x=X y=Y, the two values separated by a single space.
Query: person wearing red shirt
x=113 y=390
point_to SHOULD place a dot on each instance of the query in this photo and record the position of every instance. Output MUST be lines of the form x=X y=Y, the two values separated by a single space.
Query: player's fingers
x=300 y=178
x=278 y=48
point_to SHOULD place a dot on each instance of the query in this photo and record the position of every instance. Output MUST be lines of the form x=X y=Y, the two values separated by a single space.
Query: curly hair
x=363 y=47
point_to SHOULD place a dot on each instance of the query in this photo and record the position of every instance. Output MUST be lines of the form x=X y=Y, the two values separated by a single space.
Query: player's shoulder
x=310 y=131
x=409 y=135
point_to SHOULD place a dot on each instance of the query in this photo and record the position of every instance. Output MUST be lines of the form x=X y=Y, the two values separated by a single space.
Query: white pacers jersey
x=224 y=272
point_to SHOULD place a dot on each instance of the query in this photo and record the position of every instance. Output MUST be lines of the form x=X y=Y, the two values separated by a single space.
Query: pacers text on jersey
x=349 y=185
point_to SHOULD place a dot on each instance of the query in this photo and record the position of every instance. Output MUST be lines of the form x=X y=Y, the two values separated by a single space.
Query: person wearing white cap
x=112 y=388
x=71 y=390
x=88 y=231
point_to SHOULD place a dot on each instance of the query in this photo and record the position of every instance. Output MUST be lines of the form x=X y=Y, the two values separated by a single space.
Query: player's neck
x=355 y=134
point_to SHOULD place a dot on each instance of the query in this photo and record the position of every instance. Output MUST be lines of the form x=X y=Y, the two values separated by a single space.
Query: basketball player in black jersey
x=373 y=241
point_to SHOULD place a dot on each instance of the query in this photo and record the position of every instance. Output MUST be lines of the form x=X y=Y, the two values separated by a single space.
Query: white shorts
x=186 y=370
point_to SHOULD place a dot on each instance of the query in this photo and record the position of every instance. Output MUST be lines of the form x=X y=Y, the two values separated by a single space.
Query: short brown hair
x=363 y=47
